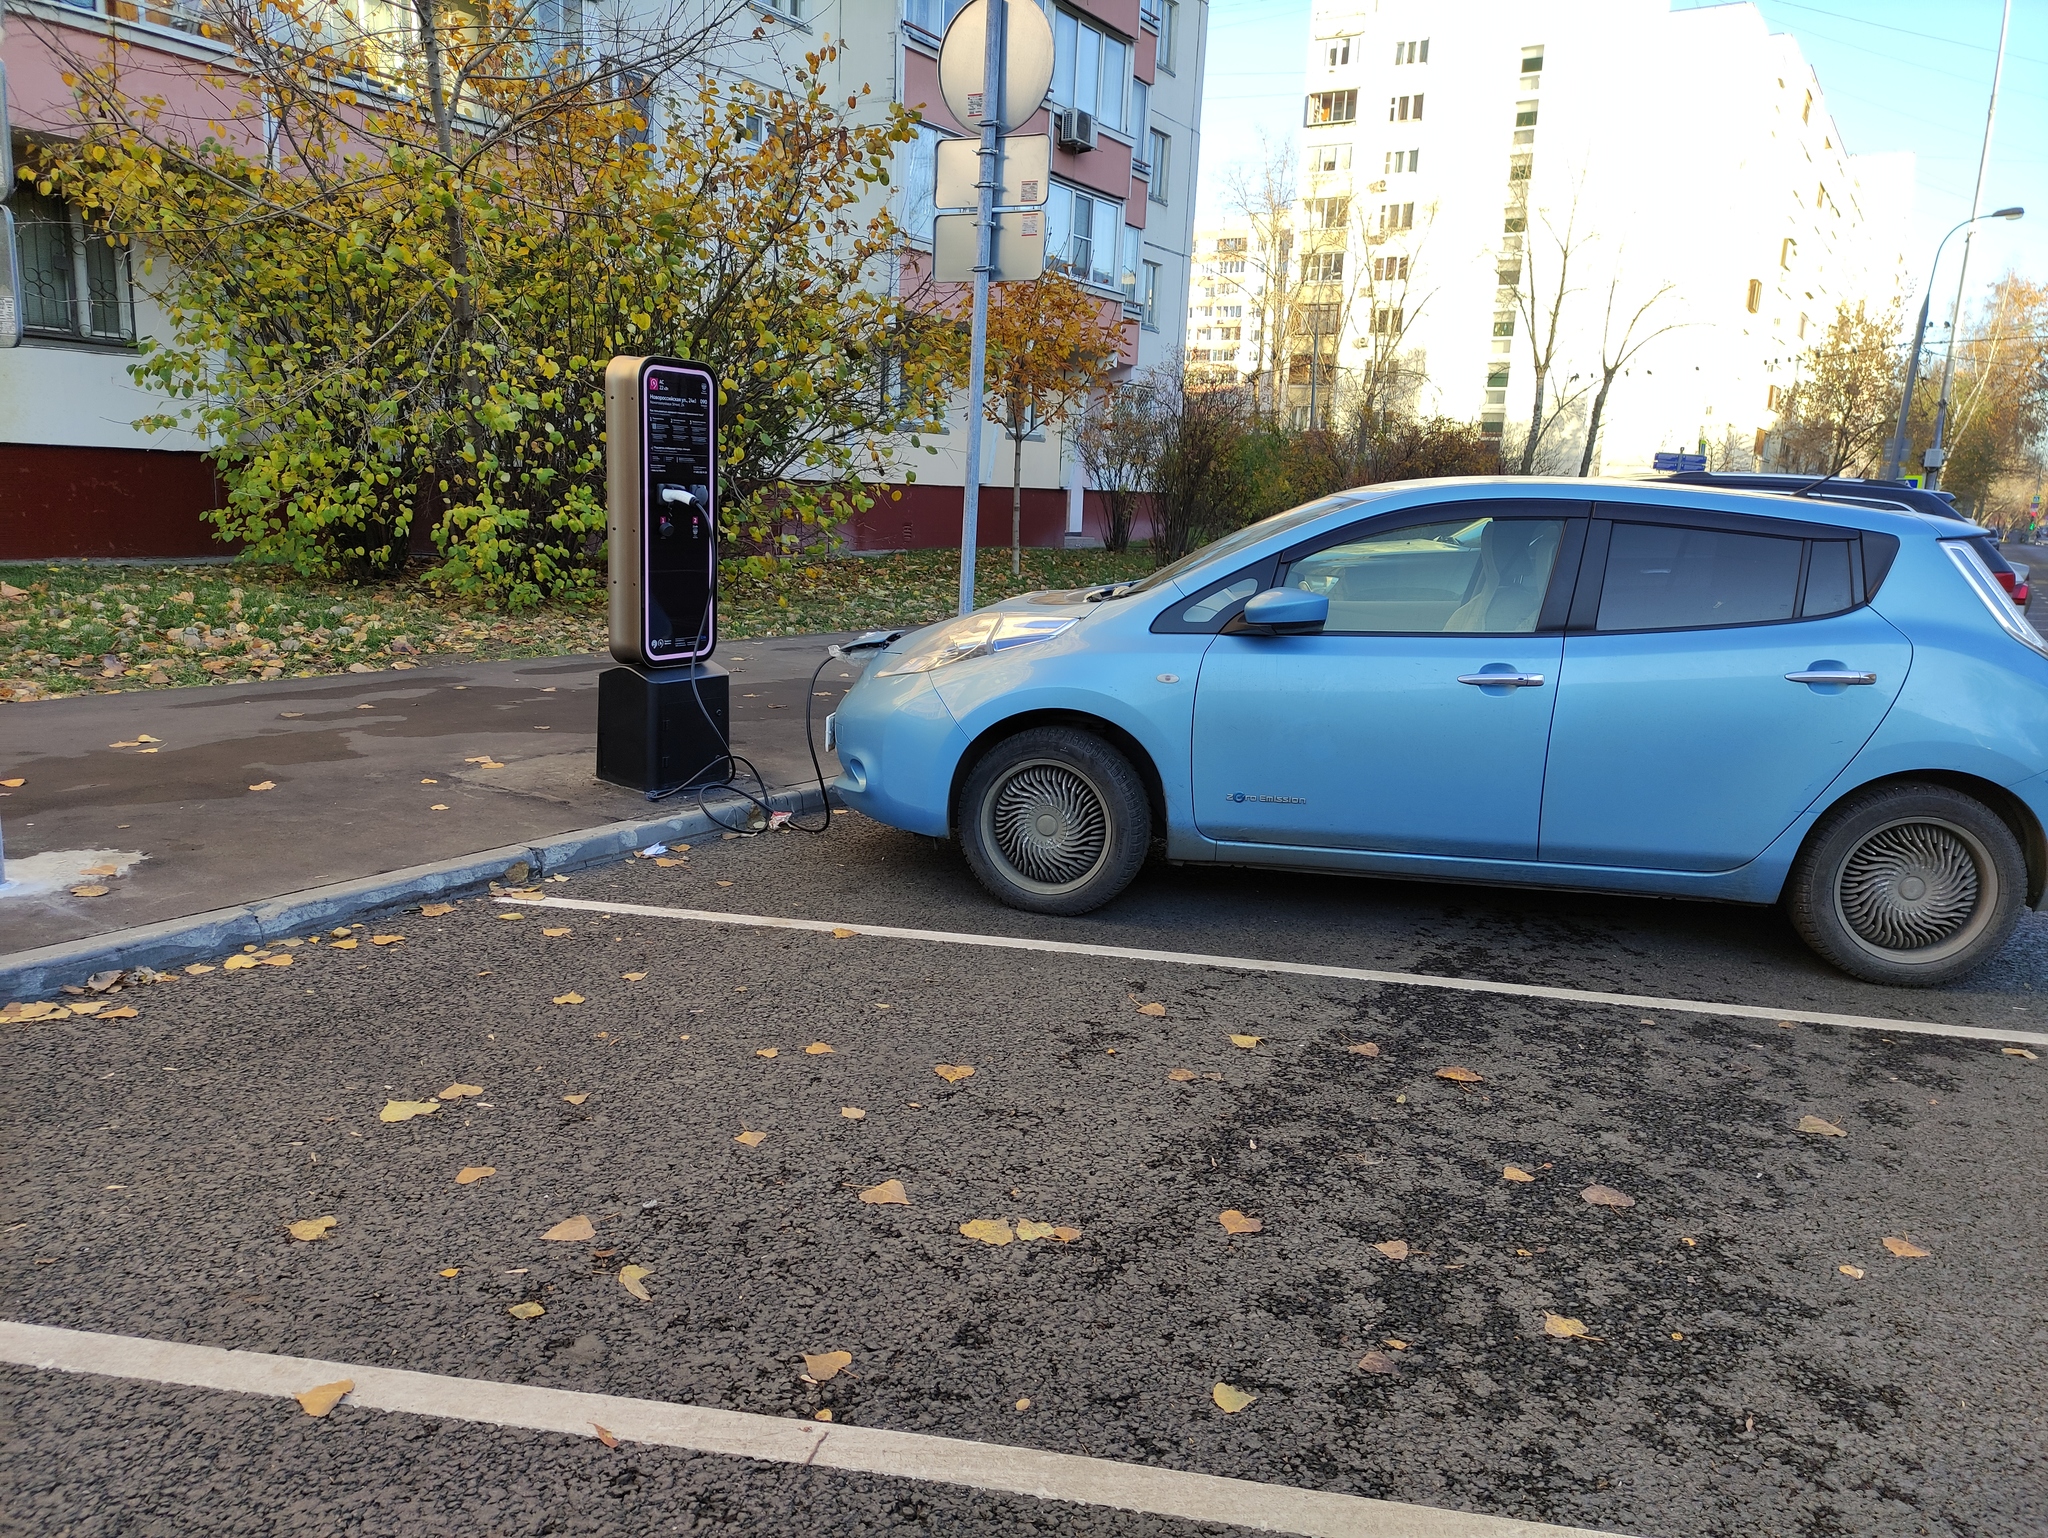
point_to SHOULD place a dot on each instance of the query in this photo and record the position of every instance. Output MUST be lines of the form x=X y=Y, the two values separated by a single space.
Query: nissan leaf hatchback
x=1614 y=686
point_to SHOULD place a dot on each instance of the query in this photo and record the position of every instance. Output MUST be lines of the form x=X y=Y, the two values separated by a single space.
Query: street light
x=1895 y=452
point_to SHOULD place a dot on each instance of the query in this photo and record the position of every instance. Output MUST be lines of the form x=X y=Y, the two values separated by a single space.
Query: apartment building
x=1226 y=315
x=78 y=479
x=1679 y=166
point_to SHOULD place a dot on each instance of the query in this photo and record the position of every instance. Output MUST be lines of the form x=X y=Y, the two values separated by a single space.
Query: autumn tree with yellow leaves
x=399 y=252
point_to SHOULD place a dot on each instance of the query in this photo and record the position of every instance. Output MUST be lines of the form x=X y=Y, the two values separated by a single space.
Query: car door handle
x=1503 y=680
x=1831 y=676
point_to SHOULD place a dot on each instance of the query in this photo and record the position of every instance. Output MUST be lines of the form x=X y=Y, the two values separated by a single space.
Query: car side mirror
x=1281 y=611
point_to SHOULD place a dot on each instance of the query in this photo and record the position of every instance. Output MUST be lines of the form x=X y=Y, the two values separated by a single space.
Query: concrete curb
x=200 y=936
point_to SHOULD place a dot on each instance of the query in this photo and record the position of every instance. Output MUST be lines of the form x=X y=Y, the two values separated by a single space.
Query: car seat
x=1515 y=557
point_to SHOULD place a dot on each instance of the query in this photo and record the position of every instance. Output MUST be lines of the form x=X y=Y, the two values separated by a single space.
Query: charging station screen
x=682 y=530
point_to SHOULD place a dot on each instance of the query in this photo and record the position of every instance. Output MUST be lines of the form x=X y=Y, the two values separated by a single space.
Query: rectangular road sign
x=1026 y=174
x=1019 y=247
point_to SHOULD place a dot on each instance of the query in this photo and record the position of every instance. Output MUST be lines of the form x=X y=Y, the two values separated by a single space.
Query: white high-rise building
x=1226 y=306
x=1541 y=172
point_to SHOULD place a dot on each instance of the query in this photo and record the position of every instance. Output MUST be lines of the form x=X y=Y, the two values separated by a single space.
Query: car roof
x=1919 y=498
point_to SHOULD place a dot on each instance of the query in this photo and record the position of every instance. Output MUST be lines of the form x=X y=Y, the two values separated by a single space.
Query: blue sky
x=1899 y=75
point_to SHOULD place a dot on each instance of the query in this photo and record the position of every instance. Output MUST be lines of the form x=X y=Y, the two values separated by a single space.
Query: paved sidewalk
x=156 y=785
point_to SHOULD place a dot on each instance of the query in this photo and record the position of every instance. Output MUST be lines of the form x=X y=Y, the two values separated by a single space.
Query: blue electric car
x=1616 y=686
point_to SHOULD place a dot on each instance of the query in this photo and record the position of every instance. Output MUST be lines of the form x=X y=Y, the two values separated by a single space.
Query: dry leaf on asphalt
x=1066 y=1235
x=1459 y=1075
x=752 y=1139
x=525 y=1310
x=89 y=891
x=511 y=918
x=1394 y=1343
x=1607 y=1196
x=460 y=1092
x=817 y=1049
x=1029 y=1229
x=571 y=1230
x=1823 y=1128
x=953 y=1073
x=1230 y=1400
x=469 y=1175
x=827 y=1365
x=1393 y=1249
x=988 y=1230
x=632 y=977
x=406 y=1110
x=438 y=806
x=1515 y=1172
x=310 y=1229
x=634 y=1280
x=603 y=1435
x=556 y=934
x=125 y=1012
x=1851 y=1271
x=13 y=784
x=889 y=1193
x=576 y=1099
x=1180 y=1075
x=844 y=934
x=436 y=910
x=1246 y=1042
x=387 y=939
x=338 y=945
x=1564 y=1328
x=1235 y=1222
x=239 y=963
x=198 y=969
x=265 y=785
x=1364 y=1048
x=1905 y=1249
x=100 y=870
x=567 y=998
x=853 y=1113
x=1377 y=1362
x=449 y=1271
x=1152 y=1009
x=2008 y=1051
x=766 y=1051
x=275 y=961
x=316 y=1402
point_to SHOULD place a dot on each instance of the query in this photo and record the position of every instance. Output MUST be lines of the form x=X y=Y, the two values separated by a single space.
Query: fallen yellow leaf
x=1152 y=1009
x=844 y=934
x=827 y=1365
x=1515 y=1172
x=450 y=1271
x=13 y=784
x=2008 y=1051
x=525 y=1310
x=1364 y=1048
x=576 y=1099
x=406 y=1110
x=752 y=1139
x=1607 y=1196
x=125 y=1012
x=438 y=806
x=889 y=1193
x=1180 y=1075
x=89 y=891
x=1066 y=1235
x=1028 y=1229
x=1905 y=1249
x=198 y=969
x=1246 y=1042
x=1851 y=1271
x=767 y=1051
x=387 y=939
x=1230 y=1400
x=634 y=1280
x=556 y=933
x=1564 y=1328
x=276 y=961
x=469 y=1175
x=1823 y=1128
x=665 y=862
x=988 y=1230
x=1459 y=1075
x=460 y=1092
x=853 y=1113
x=100 y=870
x=567 y=998
x=632 y=977
x=265 y=785
x=436 y=910
x=571 y=1230
x=603 y=1435
x=1393 y=1249
x=817 y=1049
x=342 y=945
x=1395 y=1343
x=1235 y=1222
x=511 y=918
x=310 y=1229
x=239 y=963
x=316 y=1402
x=825 y=1414
x=953 y=1073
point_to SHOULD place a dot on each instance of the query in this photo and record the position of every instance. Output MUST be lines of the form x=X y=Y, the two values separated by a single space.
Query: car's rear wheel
x=1054 y=820
x=1909 y=884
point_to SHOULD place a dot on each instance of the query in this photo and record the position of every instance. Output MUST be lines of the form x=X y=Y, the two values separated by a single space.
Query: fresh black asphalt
x=1736 y=1381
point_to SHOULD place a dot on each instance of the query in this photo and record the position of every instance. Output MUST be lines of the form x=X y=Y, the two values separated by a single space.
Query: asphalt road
x=1736 y=1381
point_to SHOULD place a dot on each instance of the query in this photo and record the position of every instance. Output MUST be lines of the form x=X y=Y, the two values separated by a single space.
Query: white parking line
x=1306 y=969
x=897 y=1454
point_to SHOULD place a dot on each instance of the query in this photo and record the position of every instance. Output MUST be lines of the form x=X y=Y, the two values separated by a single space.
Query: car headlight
x=974 y=635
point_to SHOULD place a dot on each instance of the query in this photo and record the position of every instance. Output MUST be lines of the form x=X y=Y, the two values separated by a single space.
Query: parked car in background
x=1614 y=685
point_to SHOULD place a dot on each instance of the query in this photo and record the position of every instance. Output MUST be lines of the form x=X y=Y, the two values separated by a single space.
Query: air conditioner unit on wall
x=1076 y=129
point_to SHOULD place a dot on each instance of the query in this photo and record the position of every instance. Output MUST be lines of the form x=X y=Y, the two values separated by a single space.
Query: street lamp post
x=1895 y=452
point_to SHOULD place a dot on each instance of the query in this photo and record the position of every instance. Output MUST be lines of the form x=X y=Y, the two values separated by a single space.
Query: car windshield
x=1230 y=544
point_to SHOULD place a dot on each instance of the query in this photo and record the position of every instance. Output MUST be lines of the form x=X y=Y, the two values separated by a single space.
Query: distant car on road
x=1620 y=686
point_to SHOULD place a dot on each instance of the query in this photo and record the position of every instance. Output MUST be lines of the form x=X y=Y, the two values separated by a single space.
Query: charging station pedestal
x=663 y=716
x=663 y=729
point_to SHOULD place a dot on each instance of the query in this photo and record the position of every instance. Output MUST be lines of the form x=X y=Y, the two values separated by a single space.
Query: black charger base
x=664 y=729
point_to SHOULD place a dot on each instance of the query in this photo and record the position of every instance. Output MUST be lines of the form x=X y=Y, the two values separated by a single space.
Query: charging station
x=663 y=715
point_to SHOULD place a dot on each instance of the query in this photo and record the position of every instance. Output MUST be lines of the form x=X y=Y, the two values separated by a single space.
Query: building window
x=1323 y=267
x=1401 y=109
x=931 y=16
x=1787 y=249
x=1756 y=295
x=1521 y=167
x=1413 y=52
x=1148 y=294
x=1169 y=35
x=1337 y=53
x=1329 y=157
x=73 y=283
x=1141 y=112
x=1806 y=112
x=1390 y=269
x=1148 y=13
x=1525 y=114
x=1091 y=69
x=1386 y=320
x=793 y=9
x=1504 y=325
x=916 y=172
x=1332 y=107
x=1532 y=61
x=1402 y=160
x=1081 y=235
x=1127 y=267
x=1160 y=154
x=1774 y=398
x=1327 y=213
x=1231 y=243
x=1396 y=216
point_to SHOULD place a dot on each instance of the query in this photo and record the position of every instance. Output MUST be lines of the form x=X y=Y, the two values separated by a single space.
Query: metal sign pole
x=997 y=28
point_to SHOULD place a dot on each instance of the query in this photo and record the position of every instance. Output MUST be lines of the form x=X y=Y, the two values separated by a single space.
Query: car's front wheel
x=1054 y=820
x=1909 y=884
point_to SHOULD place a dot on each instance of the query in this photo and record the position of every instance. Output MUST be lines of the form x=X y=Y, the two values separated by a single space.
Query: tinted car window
x=1484 y=576
x=1660 y=577
x=1830 y=579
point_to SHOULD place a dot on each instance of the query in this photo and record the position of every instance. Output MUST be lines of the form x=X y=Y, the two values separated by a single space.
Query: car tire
x=1908 y=884
x=1054 y=820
